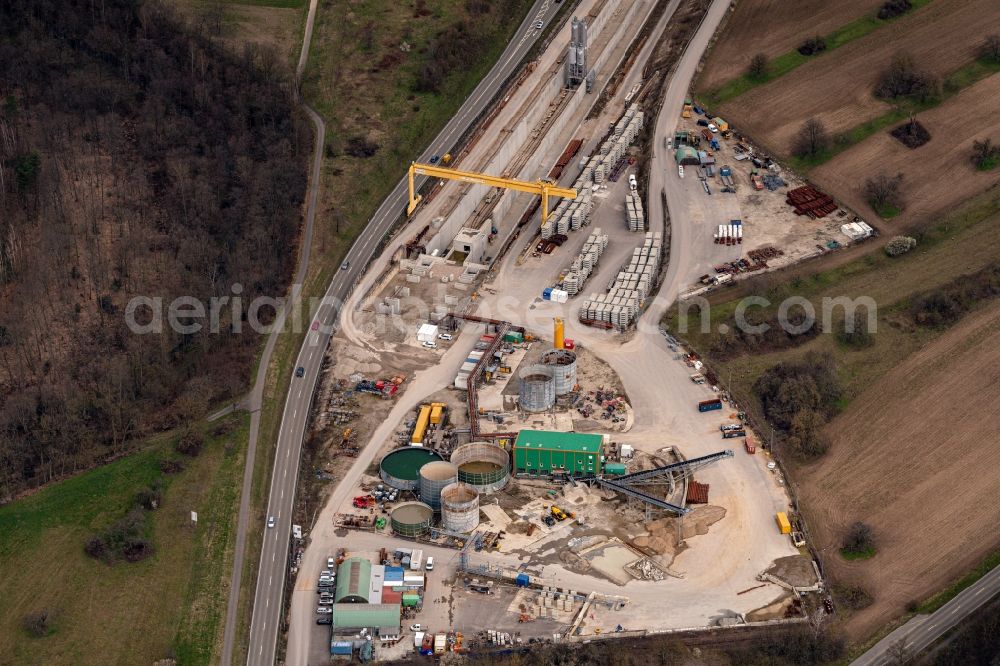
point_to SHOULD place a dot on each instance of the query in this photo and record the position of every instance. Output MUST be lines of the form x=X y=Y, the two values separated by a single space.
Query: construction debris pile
x=603 y=404
x=807 y=200
x=645 y=569
x=627 y=293
x=773 y=183
x=585 y=263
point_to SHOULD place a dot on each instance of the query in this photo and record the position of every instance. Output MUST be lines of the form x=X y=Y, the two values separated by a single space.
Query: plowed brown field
x=774 y=27
x=938 y=175
x=837 y=87
x=916 y=457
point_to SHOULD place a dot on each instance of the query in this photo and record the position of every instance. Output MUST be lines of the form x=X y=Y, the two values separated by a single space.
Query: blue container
x=522 y=580
x=341 y=647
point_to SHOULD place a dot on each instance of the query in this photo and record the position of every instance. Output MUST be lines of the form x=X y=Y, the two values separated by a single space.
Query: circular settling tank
x=459 y=507
x=537 y=390
x=433 y=477
x=401 y=468
x=482 y=465
x=411 y=519
x=562 y=363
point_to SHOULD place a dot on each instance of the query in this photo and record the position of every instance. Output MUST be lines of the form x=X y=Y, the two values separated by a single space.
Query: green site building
x=543 y=452
x=354 y=581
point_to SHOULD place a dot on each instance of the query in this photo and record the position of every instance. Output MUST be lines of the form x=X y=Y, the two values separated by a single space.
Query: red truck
x=748 y=443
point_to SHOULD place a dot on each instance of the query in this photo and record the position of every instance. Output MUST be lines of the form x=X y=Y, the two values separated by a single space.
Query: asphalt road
x=921 y=632
x=267 y=608
x=255 y=398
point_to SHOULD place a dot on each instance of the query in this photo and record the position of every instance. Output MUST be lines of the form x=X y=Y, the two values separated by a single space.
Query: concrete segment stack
x=635 y=217
x=629 y=289
x=585 y=263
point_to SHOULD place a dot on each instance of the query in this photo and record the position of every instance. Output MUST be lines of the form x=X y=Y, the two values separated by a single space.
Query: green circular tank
x=401 y=468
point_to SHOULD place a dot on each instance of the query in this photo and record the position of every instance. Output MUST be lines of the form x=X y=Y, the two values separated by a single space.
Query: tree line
x=137 y=157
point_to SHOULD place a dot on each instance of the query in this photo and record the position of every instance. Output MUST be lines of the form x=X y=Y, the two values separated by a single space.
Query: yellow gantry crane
x=541 y=187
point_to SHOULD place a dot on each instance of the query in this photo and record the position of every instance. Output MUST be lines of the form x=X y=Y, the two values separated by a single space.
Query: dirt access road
x=914 y=457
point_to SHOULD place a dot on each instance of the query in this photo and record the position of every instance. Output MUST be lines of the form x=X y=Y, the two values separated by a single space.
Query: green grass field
x=171 y=604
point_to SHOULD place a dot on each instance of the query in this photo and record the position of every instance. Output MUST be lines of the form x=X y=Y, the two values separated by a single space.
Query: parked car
x=324 y=610
x=270 y=521
x=712 y=128
x=446 y=337
x=416 y=627
x=430 y=345
x=331 y=563
x=324 y=619
x=702 y=122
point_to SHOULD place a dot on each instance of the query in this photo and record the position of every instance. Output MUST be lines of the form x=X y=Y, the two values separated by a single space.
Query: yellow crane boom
x=542 y=188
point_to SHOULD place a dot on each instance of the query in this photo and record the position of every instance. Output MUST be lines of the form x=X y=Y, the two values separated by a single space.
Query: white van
x=430 y=564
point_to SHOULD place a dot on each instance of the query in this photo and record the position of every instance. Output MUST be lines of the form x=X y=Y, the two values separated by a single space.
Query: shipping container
x=783 y=525
x=709 y=405
x=615 y=469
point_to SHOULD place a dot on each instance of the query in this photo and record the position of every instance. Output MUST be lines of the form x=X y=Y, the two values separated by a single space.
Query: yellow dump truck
x=783 y=525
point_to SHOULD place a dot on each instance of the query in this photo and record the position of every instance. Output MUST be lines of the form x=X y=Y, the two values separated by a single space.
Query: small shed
x=427 y=333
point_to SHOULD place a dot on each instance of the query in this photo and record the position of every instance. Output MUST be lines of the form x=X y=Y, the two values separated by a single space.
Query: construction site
x=562 y=465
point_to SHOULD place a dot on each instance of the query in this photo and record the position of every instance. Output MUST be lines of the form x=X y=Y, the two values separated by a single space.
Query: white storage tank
x=459 y=507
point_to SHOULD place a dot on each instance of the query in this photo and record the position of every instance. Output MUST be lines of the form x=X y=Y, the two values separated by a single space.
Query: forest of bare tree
x=136 y=158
